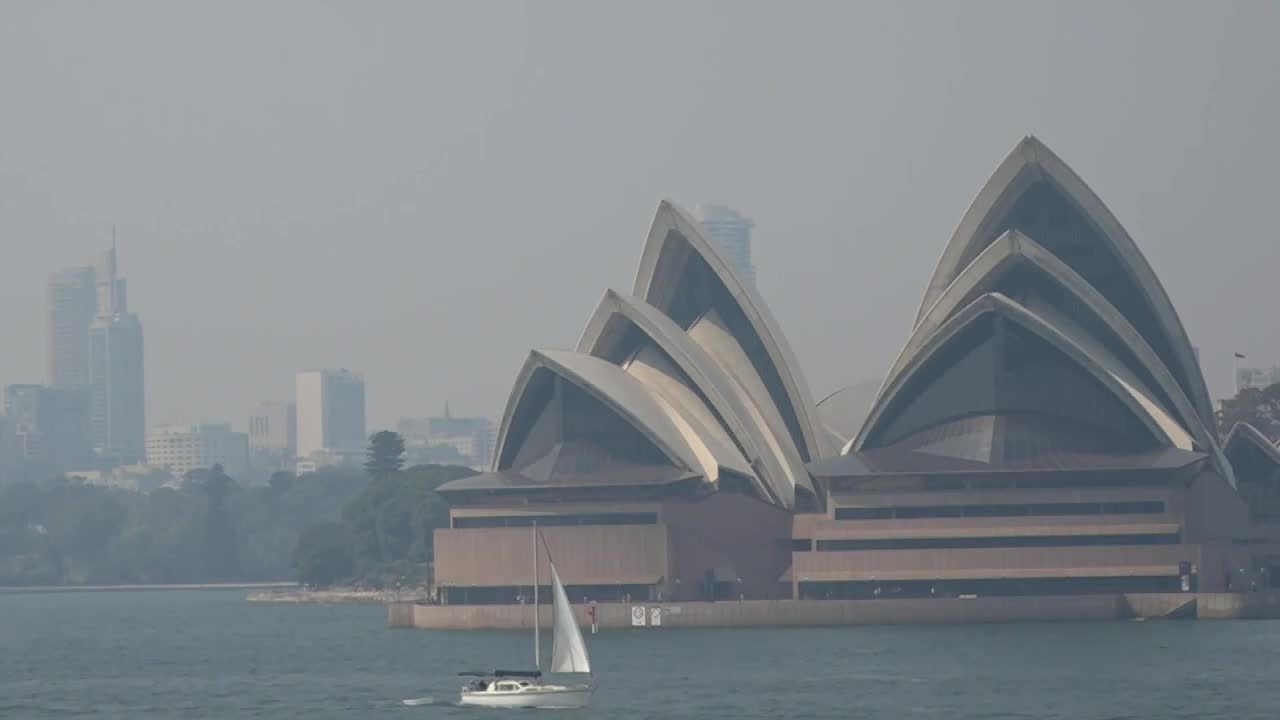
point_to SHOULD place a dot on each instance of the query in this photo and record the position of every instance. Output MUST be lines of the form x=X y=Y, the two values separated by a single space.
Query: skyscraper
x=330 y=415
x=732 y=233
x=8 y=453
x=49 y=425
x=273 y=435
x=273 y=425
x=70 y=305
x=118 y=412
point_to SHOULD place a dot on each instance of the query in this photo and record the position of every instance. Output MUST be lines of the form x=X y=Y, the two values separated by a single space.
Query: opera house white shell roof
x=688 y=375
x=1040 y=250
x=1042 y=321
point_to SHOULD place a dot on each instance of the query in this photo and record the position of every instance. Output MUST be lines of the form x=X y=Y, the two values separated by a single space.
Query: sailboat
x=526 y=688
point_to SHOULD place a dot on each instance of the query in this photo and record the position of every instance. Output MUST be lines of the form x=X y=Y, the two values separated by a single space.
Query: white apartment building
x=183 y=448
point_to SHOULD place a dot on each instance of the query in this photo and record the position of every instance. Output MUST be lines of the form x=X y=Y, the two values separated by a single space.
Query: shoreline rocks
x=332 y=596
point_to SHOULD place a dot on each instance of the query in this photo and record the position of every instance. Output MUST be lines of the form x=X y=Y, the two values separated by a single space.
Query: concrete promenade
x=765 y=613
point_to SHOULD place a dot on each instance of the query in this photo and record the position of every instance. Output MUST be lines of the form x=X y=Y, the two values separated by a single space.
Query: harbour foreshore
x=135 y=588
x=766 y=613
x=333 y=596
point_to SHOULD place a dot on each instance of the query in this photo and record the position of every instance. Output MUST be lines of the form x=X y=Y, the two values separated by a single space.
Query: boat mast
x=537 y=652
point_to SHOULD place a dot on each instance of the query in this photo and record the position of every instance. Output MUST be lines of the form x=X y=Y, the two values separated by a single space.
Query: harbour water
x=210 y=654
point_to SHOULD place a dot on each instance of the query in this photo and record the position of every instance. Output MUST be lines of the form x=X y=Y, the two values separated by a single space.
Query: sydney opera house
x=1045 y=430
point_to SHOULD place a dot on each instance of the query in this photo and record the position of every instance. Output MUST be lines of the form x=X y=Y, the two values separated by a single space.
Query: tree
x=323 y=556
x=223 y=544
x=281 y=481
x=385 y=455
x=59 y=532
x=393 y=521
x=1260 y=407
x=444 y=454
x=270 y=519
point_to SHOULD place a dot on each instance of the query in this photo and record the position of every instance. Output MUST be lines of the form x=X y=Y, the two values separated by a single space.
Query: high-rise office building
x=49 y=425
x=7 y=442
x=70 y=308
x=118 y=416
x=273 y=435
x=330 y=415
x=273 y=425
x=732 y=233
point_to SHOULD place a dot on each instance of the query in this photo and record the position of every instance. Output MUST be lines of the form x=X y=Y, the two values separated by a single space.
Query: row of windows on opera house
x=1046 y=429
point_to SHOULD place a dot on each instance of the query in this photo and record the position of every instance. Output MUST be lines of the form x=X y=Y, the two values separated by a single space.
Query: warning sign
x=637 y=616
x=655 y=617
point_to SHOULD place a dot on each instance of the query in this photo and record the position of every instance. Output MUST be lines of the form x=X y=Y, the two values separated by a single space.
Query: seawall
x=323 y=597
x=765 y=613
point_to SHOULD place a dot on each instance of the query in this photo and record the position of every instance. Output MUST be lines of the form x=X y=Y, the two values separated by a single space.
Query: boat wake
x=414 y=702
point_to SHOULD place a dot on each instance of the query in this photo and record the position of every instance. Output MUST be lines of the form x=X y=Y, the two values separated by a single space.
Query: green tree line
x=384 y=535
x=330 y=526
x=1260 y=407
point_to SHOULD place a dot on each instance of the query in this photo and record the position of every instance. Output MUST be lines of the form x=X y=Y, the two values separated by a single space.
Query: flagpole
x=537 y=624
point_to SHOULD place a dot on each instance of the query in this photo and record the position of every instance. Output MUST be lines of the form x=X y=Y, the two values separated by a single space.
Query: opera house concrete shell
x=663 y=456
x=1045 y=429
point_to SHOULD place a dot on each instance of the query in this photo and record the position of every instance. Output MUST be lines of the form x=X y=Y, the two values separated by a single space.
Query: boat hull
x=538 y=696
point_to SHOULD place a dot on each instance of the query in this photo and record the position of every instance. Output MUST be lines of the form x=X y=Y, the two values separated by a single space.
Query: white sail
x=568 y=651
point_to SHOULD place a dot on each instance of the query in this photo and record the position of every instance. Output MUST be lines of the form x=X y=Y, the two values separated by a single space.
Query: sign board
x=655 y=617
x=637 y=616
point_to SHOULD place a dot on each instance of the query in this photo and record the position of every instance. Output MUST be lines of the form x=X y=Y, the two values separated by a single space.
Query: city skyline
x=90 y=411
x=75 y=299
x=348 y=223
x=65 y=304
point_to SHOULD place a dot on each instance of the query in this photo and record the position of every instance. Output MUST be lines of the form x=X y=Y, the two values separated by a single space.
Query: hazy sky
x=424 y=191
